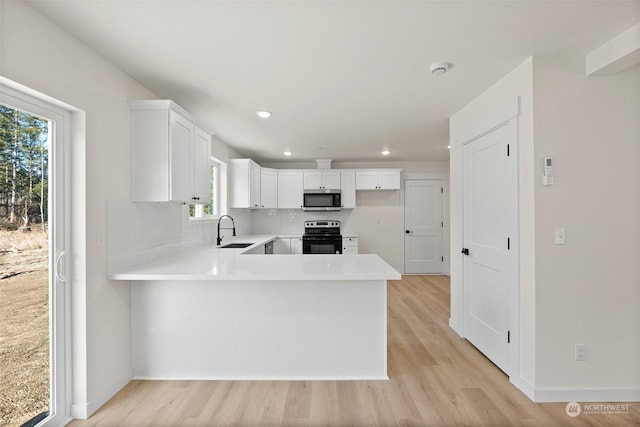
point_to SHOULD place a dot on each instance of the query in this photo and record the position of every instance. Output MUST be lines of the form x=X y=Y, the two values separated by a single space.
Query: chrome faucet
x=219 y=239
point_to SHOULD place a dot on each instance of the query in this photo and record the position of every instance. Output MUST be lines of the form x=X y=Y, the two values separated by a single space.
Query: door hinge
x=442 y=224
x=442 y=189
x=442 y=258
x=508 y=243
x=508 y=337
x=508 y=150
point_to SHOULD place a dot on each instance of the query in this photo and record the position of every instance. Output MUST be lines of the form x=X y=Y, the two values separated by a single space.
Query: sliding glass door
x=34 y=288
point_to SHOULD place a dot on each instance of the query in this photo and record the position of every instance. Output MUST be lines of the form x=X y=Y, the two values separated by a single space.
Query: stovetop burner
x=322 y=228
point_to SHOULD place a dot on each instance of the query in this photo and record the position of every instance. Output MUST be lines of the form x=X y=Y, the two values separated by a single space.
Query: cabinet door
x=202 y=167
x=331 y=180
x=312 y=180
x=254 y=185
x=350 y=250
x=366 y=180
x=348 y=189
x=296 y=245
x=389 y=180
x=181 y=182
x=269 y=188
x=282 y=246
x=290 y=188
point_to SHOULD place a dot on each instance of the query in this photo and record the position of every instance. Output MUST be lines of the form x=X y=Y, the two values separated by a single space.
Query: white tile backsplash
x=291 y=221
x=141 y=231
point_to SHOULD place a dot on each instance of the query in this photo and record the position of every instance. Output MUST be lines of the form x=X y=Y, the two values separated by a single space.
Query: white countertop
x=214 y=263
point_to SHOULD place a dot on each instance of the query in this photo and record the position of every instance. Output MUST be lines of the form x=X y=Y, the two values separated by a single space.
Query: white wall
x=587 y=291
x=67 y=70
x=518 y=83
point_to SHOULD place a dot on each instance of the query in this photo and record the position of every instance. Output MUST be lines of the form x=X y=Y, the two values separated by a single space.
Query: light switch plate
x=559 y=236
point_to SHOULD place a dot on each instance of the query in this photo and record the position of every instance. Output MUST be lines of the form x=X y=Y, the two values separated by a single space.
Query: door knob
x=465 y=251
x=407 y=231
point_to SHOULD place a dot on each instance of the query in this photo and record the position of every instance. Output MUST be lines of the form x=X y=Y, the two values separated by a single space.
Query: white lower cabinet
x=349 y=246
x=296 y=245
x=287 y=245
x=282 y=246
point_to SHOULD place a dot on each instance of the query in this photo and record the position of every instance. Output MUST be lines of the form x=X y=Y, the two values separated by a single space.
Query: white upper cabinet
x=202 y=166
x=171 y=154
x=244 y=183
x=290 y=186
x=317 y=179
x=268 y=188
x=378 y=179
x=348 y=188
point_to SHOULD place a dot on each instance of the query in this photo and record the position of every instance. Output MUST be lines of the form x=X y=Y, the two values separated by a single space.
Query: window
x=218 y=205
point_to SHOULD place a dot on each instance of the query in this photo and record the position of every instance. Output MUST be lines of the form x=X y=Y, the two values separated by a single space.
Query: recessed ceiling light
x=439 y=68
x=386 y=152
x=448 y=146
x=264 y=114
x=287 y=153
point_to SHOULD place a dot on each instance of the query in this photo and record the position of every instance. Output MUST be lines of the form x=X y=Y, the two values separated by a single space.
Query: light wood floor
x=436 y=379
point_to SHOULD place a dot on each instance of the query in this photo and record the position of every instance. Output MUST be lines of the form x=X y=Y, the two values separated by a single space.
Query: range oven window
x=317 y=245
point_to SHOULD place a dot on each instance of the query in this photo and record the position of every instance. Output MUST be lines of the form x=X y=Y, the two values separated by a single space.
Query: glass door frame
x=59 y=244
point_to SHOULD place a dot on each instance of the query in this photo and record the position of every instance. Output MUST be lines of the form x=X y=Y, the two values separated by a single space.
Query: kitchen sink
x=236 y=245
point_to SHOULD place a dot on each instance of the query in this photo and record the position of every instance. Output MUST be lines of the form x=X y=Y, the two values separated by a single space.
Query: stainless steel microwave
x=322 y=200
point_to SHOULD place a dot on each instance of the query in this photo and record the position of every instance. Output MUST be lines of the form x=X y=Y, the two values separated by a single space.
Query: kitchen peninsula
x=207 y=312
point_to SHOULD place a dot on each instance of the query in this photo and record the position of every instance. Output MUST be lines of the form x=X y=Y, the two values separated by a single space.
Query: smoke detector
x=439 y=68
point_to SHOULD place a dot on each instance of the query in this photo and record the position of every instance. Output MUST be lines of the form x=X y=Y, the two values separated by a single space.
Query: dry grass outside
x=18 y=241
x=24 y=326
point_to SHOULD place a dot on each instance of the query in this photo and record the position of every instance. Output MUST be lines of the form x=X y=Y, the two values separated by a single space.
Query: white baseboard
x=554 y=394
x=265 y=378
x=82 y=411
x=456 y=328
x=523 y=386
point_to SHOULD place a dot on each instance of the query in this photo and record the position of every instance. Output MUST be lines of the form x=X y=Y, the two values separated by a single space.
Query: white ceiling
x=344 y=79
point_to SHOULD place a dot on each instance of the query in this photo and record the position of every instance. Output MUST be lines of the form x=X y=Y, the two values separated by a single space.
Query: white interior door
x=489 y=228
x=423 y=226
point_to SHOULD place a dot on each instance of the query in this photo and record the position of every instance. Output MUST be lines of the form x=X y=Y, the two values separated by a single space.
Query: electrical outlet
x=558 y=236
x=581 y=352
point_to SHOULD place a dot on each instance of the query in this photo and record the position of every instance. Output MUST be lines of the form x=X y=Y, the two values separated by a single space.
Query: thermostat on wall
x=547 y=174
